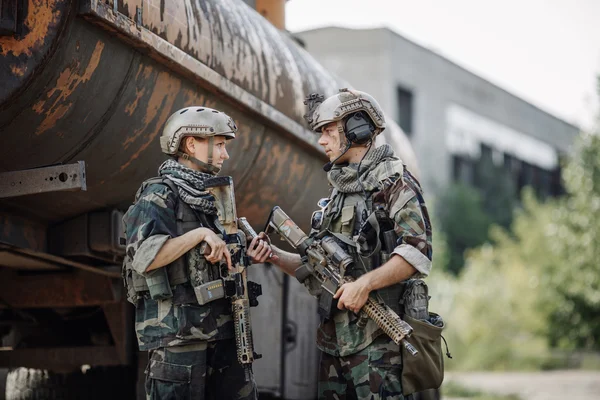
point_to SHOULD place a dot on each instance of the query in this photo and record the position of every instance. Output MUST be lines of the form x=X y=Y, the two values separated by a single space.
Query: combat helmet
x=201 y=122
x=338 y=107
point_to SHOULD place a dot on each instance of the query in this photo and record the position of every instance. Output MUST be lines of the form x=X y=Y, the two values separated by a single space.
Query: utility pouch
x=347 y=220
x=158 y=284
x=426 y=370
x=127 y=274
x=415 y=299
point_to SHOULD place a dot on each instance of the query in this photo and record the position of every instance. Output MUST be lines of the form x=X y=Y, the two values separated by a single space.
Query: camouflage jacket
x=402 y=197
x=179 y=320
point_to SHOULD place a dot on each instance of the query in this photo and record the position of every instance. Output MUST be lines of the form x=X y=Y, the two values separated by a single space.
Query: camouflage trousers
x=202 y=371
x=373 y=373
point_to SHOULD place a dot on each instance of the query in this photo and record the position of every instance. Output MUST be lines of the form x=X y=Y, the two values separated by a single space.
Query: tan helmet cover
x=346 y=102
x=202 y=122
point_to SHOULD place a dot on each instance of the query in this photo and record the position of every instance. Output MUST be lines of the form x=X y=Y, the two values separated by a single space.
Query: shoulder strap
x=170 y=184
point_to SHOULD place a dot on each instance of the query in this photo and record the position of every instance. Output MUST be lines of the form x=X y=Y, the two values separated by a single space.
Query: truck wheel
x=115 y=383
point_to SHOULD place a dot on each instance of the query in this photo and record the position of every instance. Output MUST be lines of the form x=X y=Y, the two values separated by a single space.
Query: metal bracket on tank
x=42 y=180
x=138 y=16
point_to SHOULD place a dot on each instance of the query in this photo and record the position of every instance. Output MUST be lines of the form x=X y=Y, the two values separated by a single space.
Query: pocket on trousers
x=384 y=368
x=426 y=369
x=168 y=381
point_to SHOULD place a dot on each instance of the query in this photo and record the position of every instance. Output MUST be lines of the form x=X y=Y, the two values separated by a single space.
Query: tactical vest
x=188 y=219
x=344 y=218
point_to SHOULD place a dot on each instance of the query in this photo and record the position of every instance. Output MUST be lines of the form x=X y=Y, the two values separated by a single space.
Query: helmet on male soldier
x=337 y=107
x=201 y=122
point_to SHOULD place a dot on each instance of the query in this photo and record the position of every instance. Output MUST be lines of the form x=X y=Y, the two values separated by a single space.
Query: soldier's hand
x=352 y=296
x=218 y=248
x=259 y=249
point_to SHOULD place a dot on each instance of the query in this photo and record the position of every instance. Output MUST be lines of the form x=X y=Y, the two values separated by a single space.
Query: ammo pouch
x=426 y=369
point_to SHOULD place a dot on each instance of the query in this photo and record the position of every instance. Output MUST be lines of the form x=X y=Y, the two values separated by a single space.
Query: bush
x=576 y=237
x=496 y=310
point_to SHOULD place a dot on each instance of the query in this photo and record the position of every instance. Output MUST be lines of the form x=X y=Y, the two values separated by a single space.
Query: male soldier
x=370 y=187
x=192 y=352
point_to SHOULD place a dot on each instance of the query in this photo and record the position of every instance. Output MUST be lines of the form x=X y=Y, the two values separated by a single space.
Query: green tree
x=576 y=235
x=497 y=309
x=497 y=190
x=466 y=213
x=463 y=222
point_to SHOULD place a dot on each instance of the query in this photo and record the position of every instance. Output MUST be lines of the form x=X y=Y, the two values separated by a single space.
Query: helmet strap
x=208 y=168
x=211 y=143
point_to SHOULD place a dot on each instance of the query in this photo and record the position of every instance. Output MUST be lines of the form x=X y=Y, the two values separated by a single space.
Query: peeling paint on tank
x=57 y=112
x=232 y=40
x=18 y=70
x=144 y=72
x=165 y=90
x=56 y=104
x=130 y=108
x=41 y=15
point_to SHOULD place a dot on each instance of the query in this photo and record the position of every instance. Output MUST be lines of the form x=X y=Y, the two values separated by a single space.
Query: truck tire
x=115 y=383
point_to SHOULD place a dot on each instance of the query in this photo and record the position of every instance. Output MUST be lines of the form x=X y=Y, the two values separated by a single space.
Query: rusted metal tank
x=96 y=80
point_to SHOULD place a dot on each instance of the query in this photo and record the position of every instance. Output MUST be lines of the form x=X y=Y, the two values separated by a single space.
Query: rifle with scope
x=326 y=261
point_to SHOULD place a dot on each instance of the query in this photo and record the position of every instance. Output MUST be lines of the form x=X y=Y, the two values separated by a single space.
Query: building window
x=405 y=110
x=463 y=170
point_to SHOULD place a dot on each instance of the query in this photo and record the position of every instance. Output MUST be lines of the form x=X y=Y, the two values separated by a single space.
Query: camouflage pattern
x=179 y=320
x=207 y=370
x=411 y=221
x=373 y=373
x=402 y=197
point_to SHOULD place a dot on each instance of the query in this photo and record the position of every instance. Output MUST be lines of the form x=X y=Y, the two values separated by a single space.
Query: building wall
x=379 y=60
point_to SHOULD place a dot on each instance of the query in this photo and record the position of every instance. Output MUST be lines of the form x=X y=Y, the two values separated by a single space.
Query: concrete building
x=453 y=117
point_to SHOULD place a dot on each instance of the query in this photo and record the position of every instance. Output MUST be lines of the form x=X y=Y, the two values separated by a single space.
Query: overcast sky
x=544 y=51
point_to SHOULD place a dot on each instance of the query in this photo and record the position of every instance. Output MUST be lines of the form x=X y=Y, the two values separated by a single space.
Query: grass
x=453 y=389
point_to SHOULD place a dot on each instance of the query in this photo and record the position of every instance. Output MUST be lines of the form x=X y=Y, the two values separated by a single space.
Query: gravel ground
x=553 y=385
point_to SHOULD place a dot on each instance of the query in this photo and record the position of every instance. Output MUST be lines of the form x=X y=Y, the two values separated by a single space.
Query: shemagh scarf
x=190 y=184
x=344 y=177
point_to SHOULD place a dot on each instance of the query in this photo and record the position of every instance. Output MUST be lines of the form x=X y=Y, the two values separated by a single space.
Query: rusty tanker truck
x=85 y=88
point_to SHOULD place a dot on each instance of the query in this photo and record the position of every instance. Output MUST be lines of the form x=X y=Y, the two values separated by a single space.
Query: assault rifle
x=326 y=261
x=233 y=284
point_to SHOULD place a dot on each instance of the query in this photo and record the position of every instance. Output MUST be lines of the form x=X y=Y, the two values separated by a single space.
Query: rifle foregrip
x=392 y=325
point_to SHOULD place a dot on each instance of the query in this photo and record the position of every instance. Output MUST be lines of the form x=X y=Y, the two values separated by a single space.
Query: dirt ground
x=553 y=385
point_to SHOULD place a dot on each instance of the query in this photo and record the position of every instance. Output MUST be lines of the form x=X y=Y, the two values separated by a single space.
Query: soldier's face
x=198 y=148
x=331 y=141
x=220 y=153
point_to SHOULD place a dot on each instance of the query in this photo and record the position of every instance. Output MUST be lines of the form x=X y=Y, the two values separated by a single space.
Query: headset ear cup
x=358 y=128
